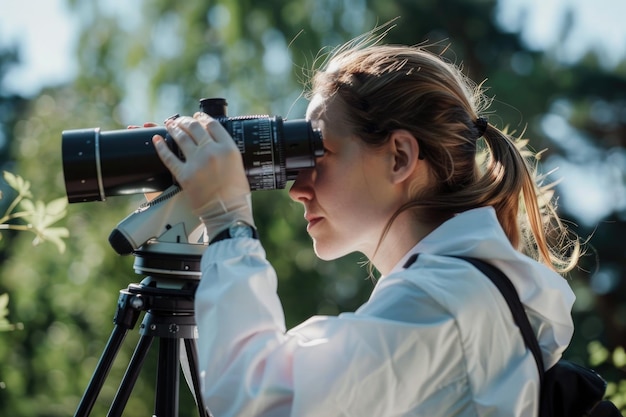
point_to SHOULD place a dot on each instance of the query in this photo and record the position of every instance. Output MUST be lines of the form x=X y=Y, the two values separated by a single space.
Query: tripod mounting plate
x=169 y=259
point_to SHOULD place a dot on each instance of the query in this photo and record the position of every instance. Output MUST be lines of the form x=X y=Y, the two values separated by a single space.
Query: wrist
x=219 y=207
x=237 y=229
x=219 y=215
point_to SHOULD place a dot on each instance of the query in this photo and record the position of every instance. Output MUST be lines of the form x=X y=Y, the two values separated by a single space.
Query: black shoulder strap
x=512 y=299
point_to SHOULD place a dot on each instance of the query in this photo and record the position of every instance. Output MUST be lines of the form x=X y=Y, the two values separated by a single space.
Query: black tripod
x=168 y=299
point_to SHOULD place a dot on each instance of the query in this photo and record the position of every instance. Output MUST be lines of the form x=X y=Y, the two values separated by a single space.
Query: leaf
x=18 y=183
x=54 y=211
x=27 y=205
x=57 y=206
x=11 y=179
x=55 y=236
x=39 y=216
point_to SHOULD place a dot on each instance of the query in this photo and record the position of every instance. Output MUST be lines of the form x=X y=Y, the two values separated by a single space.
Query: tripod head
x=164 y=235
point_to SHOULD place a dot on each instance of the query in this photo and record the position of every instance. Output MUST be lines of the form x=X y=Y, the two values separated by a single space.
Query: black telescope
x=98 y=164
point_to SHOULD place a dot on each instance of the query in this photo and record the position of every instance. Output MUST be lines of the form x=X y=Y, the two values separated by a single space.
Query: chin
x=328 y=252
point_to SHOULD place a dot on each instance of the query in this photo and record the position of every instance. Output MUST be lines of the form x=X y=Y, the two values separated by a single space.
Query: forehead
x=316 y=107
x=329 y=113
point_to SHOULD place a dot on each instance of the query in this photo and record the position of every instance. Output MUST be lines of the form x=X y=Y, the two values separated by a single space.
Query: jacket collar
x=476 y=233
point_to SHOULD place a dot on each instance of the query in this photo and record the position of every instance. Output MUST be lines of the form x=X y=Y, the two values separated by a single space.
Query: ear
x=405 y=152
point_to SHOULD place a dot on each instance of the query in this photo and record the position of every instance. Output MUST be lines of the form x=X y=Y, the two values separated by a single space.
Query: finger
x=182 y=138
x=196 y=131
x=168 y=158
x=215 y=129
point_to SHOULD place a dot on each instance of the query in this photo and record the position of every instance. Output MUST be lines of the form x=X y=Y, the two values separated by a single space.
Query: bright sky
x=46 y=35
x=596 y=24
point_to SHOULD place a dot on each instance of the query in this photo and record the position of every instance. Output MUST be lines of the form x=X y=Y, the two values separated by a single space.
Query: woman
x=399 y=178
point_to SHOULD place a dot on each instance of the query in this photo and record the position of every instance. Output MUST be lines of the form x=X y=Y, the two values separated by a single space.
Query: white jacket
x=436 y=339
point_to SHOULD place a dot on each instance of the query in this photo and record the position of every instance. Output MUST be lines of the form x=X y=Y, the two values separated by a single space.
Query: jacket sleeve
x=353 y=364
x=240 y=320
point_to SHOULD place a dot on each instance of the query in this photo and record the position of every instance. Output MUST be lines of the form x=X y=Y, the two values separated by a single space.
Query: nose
x=302 y=188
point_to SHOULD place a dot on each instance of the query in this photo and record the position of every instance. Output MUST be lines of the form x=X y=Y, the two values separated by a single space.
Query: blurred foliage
x=24 y=214
x=158 y=57
x=599 y=355
x=5 y=325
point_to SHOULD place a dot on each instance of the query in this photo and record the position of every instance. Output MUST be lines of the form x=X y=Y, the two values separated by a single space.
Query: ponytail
x=523 y=206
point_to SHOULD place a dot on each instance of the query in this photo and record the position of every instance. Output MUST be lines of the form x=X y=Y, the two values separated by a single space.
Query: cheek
x=346 y=199
x=334 y=183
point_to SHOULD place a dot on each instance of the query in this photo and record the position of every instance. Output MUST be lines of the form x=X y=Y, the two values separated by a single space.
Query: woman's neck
x=404 y=233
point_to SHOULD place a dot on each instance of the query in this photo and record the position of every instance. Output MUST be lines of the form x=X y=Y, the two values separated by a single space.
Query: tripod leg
x=102 y=370
x=130 y=377
x=168 y=379
x=125 y=319
x=192 y=357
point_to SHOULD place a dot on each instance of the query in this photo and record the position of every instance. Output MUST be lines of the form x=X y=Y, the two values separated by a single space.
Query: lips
x=312 y=219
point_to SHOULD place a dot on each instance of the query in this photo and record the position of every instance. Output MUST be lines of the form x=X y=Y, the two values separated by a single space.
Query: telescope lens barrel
x=98 y=164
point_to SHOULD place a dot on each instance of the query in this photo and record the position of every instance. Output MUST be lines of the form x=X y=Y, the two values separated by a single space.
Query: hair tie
x=481 y=125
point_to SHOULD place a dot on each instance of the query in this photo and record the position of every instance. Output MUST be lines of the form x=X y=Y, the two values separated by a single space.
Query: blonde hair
x=389 y=87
